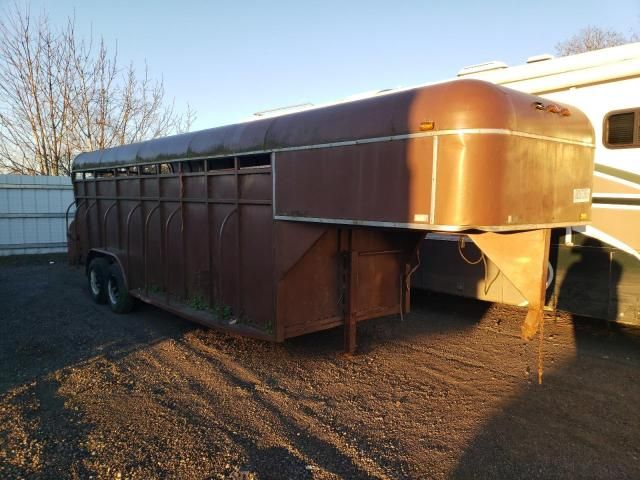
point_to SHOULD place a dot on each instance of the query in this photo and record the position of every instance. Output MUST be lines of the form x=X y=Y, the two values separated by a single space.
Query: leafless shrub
x=591 y=38
x=61 y=94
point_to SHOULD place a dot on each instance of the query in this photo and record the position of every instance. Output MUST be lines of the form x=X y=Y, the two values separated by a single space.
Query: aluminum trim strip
x=434 y=177
x=439 y=133
x=425 y=226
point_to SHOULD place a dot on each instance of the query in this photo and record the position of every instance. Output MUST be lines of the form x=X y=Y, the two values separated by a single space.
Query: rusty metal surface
x=523 y=258
x=507 y=180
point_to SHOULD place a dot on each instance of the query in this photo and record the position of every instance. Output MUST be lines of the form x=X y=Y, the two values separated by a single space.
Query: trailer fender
x=111 y=257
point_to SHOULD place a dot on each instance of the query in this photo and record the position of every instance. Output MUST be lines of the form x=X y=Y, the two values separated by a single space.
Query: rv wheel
x=97 y=278
x=119 y=299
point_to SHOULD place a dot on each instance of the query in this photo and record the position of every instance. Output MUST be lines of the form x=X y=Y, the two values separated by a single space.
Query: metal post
x=349 y=280
x=350 y=322
x=86 y=222
x=116 y=180
x=220 y=250
x=207 y=205
x=238 y=308
x=104 y=224
x=145 y=247
x=182 y=236
x=129 y=241
x=165 y=281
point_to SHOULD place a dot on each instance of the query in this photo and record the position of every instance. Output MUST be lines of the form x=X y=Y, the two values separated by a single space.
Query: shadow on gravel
x=453 y=315
x=327 y=455
x=58 y=432
x=49 y=322
x=548 y=431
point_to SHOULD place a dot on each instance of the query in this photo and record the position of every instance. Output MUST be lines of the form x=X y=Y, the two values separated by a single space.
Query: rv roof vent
x=281 y=110
x=540 y=58
x=482 y=67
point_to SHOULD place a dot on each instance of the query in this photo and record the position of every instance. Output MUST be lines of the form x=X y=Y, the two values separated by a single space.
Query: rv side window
x=621 y=129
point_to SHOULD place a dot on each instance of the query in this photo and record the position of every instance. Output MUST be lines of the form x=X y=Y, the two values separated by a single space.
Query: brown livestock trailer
x=306 y=221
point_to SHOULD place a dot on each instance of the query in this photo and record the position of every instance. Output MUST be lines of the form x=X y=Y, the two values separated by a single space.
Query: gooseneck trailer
x=310 y=220
x=594 y=270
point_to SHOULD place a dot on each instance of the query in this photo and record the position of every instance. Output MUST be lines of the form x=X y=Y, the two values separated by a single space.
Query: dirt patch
x=450 y=392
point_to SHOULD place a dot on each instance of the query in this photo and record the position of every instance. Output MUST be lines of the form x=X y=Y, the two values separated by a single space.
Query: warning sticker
x=581 y=195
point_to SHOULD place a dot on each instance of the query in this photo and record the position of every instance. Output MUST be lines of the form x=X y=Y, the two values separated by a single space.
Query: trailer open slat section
x=292 y=224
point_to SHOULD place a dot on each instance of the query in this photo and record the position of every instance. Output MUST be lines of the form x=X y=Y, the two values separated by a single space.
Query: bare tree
x=61 y=95
x=591 y=38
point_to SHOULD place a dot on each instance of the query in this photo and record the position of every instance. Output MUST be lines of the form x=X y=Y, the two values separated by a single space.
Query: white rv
x=594 y=270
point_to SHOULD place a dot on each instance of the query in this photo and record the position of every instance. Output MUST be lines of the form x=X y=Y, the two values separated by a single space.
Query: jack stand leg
x=350 y=322
x=532 y=322
x=350 y=333
x=523 y=258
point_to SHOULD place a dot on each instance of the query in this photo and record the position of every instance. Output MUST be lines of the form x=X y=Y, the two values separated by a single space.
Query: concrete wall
x=32 y=214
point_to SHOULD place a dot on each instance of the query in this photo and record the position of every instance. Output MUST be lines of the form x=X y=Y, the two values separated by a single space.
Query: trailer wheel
x=97 y=278
x=119 y=299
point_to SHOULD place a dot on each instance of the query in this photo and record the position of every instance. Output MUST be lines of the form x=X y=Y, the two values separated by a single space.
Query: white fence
x=32 y=214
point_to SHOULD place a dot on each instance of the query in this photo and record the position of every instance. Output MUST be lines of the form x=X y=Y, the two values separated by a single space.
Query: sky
x=229 y=59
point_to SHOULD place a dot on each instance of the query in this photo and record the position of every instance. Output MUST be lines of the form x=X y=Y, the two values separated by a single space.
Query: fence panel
x=32 y=214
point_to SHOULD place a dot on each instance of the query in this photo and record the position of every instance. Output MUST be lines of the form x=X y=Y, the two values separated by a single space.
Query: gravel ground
x=450 y=392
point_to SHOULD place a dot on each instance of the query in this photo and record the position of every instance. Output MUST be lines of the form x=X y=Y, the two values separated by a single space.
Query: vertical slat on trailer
x=182 y=237
x=236 y=173
x=210 y=292
x=350 y=325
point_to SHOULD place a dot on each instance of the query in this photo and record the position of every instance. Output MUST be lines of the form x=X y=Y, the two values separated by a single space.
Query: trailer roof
x=374 y=117
x=458 y=104
x=370 y=117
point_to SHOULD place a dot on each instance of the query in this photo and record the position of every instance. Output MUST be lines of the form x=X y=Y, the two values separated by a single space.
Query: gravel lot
x=450 y=392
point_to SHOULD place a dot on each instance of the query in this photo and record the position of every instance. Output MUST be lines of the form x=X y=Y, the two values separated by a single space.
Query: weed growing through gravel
x=198 y=302
x=223 y=312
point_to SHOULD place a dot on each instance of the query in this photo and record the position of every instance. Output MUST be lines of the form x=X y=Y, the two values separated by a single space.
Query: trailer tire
x=97 y=279
x=117 y=294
